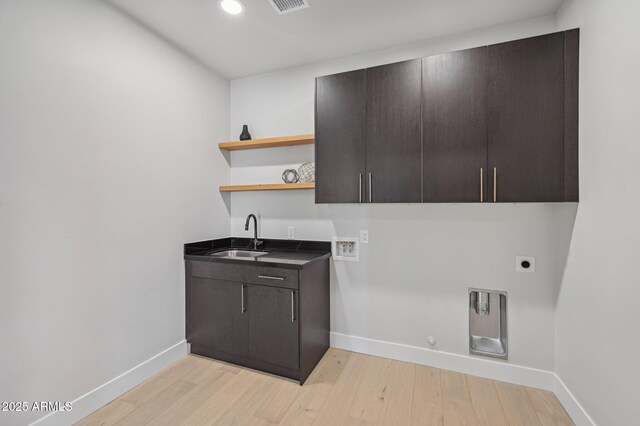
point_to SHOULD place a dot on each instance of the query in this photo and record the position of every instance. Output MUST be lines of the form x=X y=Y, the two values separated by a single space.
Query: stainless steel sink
x=239 y=253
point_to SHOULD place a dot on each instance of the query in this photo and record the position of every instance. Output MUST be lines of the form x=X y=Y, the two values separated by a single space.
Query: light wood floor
x=346 y=388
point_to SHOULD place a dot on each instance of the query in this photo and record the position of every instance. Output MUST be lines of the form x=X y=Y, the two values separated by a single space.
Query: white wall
x=108 y=164
x=413 y=277
x=597 y=320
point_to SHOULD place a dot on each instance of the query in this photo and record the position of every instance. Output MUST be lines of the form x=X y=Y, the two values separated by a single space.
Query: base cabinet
x=281 y=327
x=274 y=325
x=217 y=302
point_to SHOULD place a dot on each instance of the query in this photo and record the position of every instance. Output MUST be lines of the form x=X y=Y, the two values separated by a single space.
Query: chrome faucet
x=256 y=242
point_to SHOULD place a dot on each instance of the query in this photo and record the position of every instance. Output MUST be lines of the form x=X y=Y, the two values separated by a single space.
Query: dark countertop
x=292 y=254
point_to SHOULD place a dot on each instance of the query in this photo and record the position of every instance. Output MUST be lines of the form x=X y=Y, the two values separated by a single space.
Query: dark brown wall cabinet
x=454 y=99
x=393 y=140
x=271 y=319
x=340 y=159
x=378 y=105
x=495 y=123
x=525 y=125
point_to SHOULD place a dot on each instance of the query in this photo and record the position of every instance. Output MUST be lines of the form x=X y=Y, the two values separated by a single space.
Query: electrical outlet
x=291 y=232
x=525 y=264
x=364 y=236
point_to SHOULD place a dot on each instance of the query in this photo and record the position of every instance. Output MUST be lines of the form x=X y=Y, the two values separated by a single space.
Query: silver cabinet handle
x=242 y=308
x=370 y=197
x=495 y=184
x=293 y=306
x=360 y=188
x=269 y=277
x=481 y=185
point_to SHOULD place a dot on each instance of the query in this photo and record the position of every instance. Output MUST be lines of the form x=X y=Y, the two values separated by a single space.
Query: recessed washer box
x=345 y=248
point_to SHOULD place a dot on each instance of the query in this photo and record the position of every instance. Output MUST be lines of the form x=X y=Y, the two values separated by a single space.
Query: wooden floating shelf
x=268 y=142
x=267 y=187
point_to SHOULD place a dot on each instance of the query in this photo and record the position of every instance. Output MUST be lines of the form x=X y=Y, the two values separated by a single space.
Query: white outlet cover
x=291 y=232
x=532 y=261
x=364 y=236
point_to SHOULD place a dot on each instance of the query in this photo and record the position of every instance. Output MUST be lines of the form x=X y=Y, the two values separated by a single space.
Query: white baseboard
x=525 y=376
x=577 y=413
x=473 y=366
x=496 y=370
x=107 y=392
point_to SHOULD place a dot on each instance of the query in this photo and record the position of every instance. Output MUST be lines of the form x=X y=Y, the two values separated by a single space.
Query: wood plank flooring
x=346 y=388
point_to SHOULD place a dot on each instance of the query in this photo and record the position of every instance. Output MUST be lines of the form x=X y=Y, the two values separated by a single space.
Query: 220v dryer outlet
x=525 y=264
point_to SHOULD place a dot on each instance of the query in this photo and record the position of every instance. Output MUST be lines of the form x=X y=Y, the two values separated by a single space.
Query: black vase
x=245 y=135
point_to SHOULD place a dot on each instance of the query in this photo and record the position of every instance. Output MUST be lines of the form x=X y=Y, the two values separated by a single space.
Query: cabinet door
x=454 y=127
x=273 y=325
x=571 y=65
x=525 y=113
x=215 y=316
x=393 y=133
x=339 y=134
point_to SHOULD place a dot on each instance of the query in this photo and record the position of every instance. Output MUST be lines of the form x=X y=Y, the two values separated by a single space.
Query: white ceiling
x=260 y=40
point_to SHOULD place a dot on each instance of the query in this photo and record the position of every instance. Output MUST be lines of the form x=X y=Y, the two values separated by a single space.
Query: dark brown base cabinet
x=496 y=123
x=270 y=319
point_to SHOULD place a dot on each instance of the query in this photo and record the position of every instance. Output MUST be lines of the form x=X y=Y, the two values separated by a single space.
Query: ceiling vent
x=283 y=7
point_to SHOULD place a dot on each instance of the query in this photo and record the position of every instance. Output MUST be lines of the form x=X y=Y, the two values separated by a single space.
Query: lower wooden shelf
x=267 y=187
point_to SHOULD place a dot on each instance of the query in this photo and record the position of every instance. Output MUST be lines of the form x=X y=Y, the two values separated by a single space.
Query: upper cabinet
x=454 y=128
x=525 y=119
x=393 y=133
x=571 y=63
x=368 y=141
x=340 y=128
x=492 y=124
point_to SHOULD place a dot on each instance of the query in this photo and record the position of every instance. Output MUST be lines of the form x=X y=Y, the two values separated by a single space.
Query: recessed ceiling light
x=232 y=7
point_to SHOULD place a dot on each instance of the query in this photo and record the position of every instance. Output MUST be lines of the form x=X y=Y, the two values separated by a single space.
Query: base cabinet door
x=273 y=324
x=216 y=320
